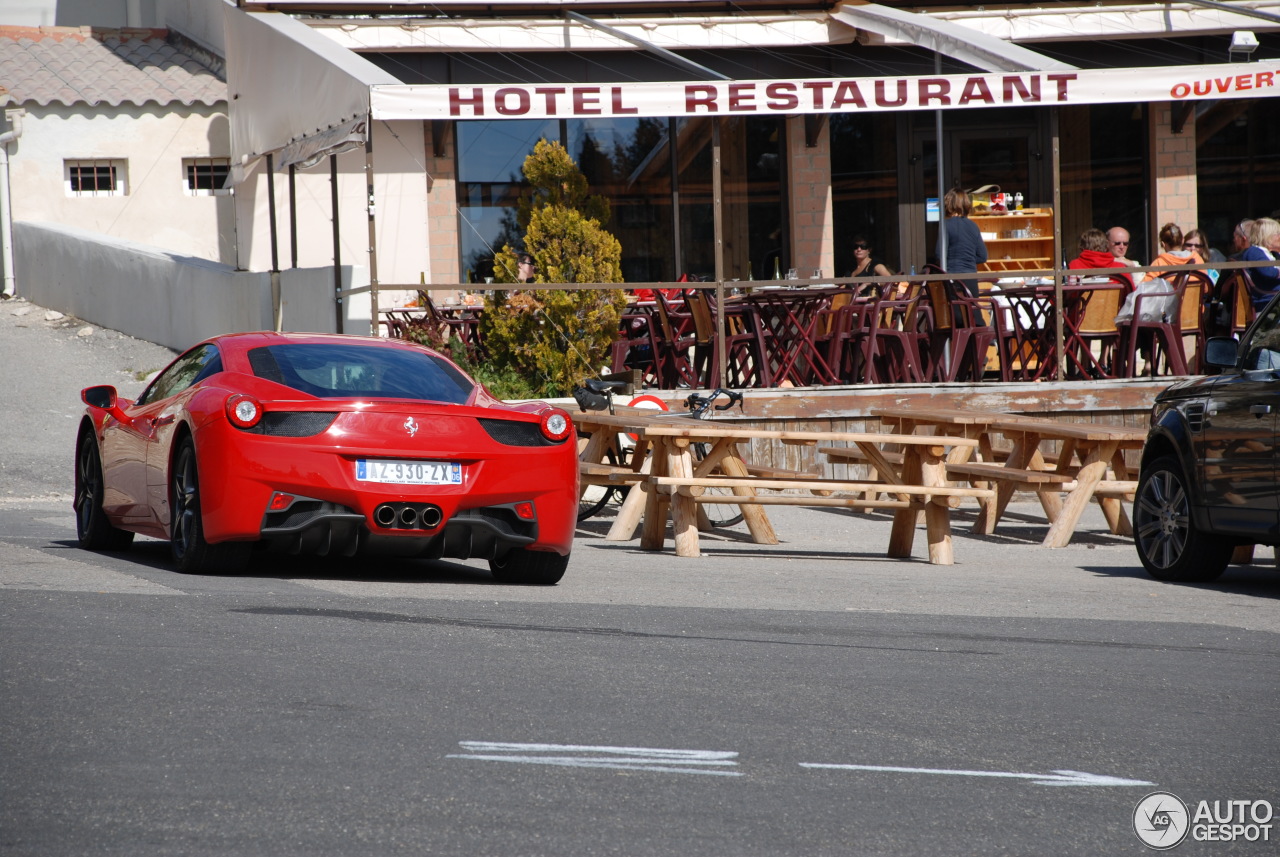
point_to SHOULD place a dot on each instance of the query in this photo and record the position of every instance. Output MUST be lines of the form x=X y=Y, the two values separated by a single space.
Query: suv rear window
x=344 y=371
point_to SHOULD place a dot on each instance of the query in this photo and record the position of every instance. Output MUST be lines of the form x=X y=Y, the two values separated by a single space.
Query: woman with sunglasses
x=1196 y=243
x=865 y=265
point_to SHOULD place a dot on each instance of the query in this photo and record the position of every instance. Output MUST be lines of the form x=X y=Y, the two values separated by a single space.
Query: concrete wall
x=163 y=297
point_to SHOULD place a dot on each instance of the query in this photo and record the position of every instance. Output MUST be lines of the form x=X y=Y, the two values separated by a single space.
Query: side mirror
x=1221 y=351
x=99 y=397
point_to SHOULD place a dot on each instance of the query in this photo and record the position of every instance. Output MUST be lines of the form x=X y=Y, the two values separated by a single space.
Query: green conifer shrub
x=555 y=338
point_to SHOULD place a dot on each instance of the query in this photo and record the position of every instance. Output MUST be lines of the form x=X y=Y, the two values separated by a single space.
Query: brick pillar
x=1173 y=165
x=812 y=239
x=442 y=209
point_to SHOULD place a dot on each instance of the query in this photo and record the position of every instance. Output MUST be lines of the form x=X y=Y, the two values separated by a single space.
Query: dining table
x=1067 y=464
x=787 y=319
x=669 y=482
x=1026 y=317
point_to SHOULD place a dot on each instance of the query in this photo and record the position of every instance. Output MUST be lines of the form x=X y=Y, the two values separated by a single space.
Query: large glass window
x=1236 y=165
x=1104 y=166
x=629 y=162
x=864 y=187
x=490 y=158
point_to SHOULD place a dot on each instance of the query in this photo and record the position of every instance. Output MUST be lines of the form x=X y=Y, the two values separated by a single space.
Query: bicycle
x=718 y=514
x=597 y=395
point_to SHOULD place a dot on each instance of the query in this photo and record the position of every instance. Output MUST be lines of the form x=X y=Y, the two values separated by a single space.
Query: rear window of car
x=344 y=371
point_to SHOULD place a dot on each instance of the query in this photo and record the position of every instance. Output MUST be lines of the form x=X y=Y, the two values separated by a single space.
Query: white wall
x=156 y=209
x=198 y=20
x=79 y=13
x=165 y=298
x=400 y=191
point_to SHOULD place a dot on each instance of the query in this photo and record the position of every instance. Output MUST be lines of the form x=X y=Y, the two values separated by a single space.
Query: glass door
x=995 y=152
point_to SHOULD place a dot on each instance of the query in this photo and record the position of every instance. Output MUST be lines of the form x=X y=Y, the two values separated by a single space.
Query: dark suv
x=1208 y=480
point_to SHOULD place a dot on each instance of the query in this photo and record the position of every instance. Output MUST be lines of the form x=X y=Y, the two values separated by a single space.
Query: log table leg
x=937 y=510
x=756 y=520
x=684 y=514
x=1093 y=468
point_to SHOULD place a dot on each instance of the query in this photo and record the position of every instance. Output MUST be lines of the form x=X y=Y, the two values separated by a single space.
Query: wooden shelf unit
x=1029 y=251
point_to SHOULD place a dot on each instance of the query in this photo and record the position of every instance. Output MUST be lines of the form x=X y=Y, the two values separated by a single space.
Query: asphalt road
x=813 y=698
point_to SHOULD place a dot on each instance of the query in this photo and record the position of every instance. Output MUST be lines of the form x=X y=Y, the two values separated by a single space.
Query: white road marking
x=24 y=568
x=618 y=758
x=1057 y=778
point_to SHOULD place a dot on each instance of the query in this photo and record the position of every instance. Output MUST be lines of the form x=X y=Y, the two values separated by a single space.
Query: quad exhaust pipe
x=408 y=516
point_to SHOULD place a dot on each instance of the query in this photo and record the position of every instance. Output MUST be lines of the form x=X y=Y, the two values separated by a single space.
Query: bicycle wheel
x=718 y=514
x=595 y=498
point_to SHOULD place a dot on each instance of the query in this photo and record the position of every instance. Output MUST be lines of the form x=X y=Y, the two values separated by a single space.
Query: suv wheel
x=1169 y=545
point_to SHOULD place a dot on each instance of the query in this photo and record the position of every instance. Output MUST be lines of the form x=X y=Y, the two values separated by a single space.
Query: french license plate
x=400 y=472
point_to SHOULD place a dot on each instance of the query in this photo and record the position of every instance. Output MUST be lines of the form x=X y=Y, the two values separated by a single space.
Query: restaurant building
x=809 y=123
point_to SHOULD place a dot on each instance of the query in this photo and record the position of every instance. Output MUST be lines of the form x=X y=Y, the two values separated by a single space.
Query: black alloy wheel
x=93 y=530
x=523 y=566
x=595 y=498
x=718 y=515
x=190 y=551
x=1169 y=544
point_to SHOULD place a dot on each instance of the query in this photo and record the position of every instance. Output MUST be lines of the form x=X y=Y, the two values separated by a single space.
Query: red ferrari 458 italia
x=327 y=444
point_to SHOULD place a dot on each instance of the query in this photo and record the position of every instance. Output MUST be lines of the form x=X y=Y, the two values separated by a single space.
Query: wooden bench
x=592 y=473
x=905 y=496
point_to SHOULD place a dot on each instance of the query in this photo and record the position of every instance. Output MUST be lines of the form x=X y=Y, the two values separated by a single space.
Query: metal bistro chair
x=1161 y=338
x=745 y=364
x=672 y=347
x=962 y=335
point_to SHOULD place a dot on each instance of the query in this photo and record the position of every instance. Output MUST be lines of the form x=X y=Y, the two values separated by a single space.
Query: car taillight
x=556 y=425
x=243 y=411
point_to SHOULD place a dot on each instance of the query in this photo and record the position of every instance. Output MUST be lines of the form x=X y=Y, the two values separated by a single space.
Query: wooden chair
x=745 y=364
x=1244 y=311
x=831 y=329
x=1094 y=351
x=672 y=347
x=635 y=346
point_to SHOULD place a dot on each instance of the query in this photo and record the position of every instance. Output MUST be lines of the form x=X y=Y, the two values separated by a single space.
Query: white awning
x=826 y=95
x=291 y=91
x=967 y=45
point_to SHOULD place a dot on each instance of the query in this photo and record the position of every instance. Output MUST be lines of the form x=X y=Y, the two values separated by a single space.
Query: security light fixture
x=1243 y=44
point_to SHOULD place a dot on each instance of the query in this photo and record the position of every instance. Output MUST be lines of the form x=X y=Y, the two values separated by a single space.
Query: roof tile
x=70 y=65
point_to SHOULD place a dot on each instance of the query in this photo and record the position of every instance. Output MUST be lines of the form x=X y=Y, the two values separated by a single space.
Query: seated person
x=1264 y=244
x=1095 y=252
x=866 y=265
x=1174 y=252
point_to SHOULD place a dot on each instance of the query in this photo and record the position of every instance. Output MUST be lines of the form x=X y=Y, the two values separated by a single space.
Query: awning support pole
x=293 y=216
x=277 y=308
x=1057 y=240
x=337 y=244
x=373 y=233
x=717 y=207
x=676 y=250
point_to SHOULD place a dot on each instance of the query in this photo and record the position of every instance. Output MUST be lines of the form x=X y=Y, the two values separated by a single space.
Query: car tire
x=93 y=530
x=523 y=566
x=191 y=553
x=1169 y=544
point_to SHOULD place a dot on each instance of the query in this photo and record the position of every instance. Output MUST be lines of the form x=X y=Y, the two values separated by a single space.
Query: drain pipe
x=6 y=213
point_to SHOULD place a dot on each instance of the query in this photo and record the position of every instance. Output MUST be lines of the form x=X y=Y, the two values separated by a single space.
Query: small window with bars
x=206 y=176
x=98 y=177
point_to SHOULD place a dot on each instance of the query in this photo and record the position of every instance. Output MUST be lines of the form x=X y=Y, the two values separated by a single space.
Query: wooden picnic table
x=1064 y=484
x=668 y=486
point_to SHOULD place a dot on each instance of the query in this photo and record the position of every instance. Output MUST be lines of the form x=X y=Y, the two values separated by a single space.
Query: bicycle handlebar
x=698 y=405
